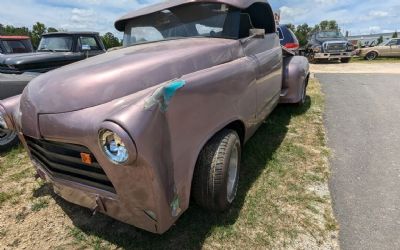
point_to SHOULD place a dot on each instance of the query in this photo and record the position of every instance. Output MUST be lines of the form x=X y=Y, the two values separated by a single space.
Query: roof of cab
x=15 y=37
x=120 y=23
x=71 y=33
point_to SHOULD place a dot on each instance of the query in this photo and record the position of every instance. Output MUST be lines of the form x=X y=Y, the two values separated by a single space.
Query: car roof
x=71 y=33
x=15 y=37
x=120 y=23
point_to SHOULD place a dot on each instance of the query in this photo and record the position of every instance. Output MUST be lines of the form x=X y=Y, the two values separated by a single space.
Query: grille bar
x=63 y=161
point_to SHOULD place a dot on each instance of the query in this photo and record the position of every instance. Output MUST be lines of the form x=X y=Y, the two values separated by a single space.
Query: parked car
x=55 y=50
x=15 y=44
x=389 y=48
x=288 y=38
x=328 y=45
x=136 y=132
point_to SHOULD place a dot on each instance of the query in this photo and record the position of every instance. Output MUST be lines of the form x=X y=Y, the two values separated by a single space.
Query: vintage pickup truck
x=135 y=133
x=55 y=50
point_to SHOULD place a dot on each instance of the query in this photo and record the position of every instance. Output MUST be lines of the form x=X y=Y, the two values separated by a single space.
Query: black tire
x=345 y=60
x=303 y=95
x=311 y=58
x=371 y=56
x=211 y=175
x=8 y=140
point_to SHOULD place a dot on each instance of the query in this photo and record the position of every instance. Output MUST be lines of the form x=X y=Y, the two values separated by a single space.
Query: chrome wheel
x=6 y=137
x=371 y=56
x=233 y=173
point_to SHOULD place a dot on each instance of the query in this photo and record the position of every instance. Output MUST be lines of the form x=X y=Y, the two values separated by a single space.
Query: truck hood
x=123 y=72
x=36 y=57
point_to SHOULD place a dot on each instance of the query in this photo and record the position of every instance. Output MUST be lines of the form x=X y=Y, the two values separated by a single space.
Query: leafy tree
x=38 y=30
x=14 y=31
x=51 y=29
x=380 y=40
x=395 y=35
x=110 y=41
x=302 y=32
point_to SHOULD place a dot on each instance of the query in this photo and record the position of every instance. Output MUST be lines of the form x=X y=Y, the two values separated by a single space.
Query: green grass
x=39 y=204
x=274 y=207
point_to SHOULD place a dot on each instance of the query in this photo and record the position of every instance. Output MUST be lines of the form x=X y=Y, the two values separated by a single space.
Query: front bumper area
x=330 y=56
x=132 y=201
x=98 y=201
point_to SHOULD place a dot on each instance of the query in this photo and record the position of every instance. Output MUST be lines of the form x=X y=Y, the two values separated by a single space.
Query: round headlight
x=113 y=147
x=3 y=124
x=317 y=48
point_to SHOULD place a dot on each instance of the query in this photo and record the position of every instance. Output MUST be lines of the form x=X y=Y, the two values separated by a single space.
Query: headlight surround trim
x=123 y=144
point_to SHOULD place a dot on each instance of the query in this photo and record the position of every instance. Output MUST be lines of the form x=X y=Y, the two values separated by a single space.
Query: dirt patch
x=357 y=68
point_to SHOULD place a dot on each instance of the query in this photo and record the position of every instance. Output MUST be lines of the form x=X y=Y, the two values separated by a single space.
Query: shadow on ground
x=195 y=225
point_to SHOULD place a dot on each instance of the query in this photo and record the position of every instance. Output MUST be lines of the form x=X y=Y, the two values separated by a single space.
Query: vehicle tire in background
x=216 y=174
x=8 y=139
x=371 y=56
x=345 y=60
x=311 y=58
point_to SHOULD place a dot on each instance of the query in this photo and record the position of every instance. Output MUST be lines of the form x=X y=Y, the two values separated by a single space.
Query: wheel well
x=239 y=127
x=307 y=79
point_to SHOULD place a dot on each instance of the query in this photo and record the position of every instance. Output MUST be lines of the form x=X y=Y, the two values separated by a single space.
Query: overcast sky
x=357 y=16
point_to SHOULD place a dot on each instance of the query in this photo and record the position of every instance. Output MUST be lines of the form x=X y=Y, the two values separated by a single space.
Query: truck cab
x=55 y=50
x=15 y=44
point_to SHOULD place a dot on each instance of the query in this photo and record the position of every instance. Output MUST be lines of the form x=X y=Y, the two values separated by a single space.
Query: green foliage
x=38 y=30
x=395 y=35
x=14 y=31
x=302 y=32
x=110 y=41
x=380 y=40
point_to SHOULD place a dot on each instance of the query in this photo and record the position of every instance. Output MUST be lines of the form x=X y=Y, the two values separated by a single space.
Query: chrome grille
x=335 y=47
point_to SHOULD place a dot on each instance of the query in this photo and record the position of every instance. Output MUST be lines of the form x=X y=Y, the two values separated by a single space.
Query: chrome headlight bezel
x=116 y=144
x=317 y=48
x=3 y=123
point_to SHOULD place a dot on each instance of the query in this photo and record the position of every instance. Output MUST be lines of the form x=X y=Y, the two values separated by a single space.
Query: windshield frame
x=69 y=37
x=338 y=34
x=172 y=24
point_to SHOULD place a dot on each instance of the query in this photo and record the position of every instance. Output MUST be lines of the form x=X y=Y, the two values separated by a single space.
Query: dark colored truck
x=55 y=50
x=327 y=46
x=15 y=44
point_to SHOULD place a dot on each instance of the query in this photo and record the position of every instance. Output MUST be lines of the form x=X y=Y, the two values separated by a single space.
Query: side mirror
x=257 y=33
x=86 y=48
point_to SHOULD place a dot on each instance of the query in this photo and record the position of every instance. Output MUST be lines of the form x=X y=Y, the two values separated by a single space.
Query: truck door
x=396 y=48
x=267 y=53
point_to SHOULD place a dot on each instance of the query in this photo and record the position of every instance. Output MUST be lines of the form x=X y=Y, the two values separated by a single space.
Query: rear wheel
x=345 y=60
x=371 y=56
x=216 y=175
x=8 y=139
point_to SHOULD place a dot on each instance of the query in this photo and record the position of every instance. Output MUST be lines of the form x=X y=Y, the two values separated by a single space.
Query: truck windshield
x=16 y=46
x=330 y=34
x=55 y=43
x=190 y=20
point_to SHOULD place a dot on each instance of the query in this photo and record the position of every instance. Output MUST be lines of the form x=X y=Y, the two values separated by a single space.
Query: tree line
x=38 y=29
